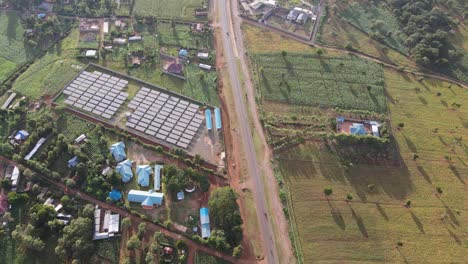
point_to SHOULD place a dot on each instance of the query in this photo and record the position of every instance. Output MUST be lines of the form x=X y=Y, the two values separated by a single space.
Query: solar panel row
x=97 y=93
x=165 y=117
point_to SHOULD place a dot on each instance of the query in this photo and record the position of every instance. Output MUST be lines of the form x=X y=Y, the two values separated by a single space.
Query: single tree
x=327 y=191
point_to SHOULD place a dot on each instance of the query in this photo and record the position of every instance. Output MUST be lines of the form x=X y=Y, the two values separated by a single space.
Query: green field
x=201 y=258
x=309 y=79
x=179 y=9
x=50 y=73
x=369 y=228
x=13 y=51
x=375 y=19
x=180 y=36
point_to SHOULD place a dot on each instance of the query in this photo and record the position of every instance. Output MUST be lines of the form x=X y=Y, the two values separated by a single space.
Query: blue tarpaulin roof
x=115 y=195
x=73 y=162
x=357 y=129
x=183 y=53
x=340 y=119
x=180 y=195
x=209 y=122
x=146 y=198
x=21 y=135
x=124 y=168
x=144 y=173
x=118 y=151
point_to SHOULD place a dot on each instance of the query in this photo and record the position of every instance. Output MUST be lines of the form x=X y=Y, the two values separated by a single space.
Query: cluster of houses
x=300 y=15
x=176 y=64
x=106 y=224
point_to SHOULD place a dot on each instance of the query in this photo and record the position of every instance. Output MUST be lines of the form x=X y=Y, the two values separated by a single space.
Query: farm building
x=118 y=151
x=209 y=122
x=115 y=195
x=73 y=162
x=157 y=177
x=105 y=27
x=148 y=199
x=35 y=149
x=124 y=168
x=358 y=127
x=217 y=112
x=135 y=38
x=119 y=41
x=143 y=173
x=175 y=68
x=21 y=135
x=205 y=222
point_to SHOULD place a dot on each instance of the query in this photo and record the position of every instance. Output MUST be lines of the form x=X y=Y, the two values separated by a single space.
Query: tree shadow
x=402 y=255
x=444 y=103
x=410 y=144
x=12 y=26
x=337 y=216
x=423 y=101
x=452 y=216
x=289 y=66
x=418 y=223
x=457 y=173
x=423 y=172
x=389 y=97
x=382 y=211
x=360 y=223
x=442 y=141
x=454 y=236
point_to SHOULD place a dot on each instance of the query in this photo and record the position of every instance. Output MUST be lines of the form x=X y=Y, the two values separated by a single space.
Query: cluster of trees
x=45 y=31
x=94 y=8
x=177 y=179
x=225 y=217
x=426 y=30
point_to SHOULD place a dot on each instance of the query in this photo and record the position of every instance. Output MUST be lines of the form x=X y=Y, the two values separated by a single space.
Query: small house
x=175 y=68
x=80 y=139
x=183 y=53
x=143 y=173
x=21 y=135
x=148 y=199
x=135 y=38
x=73 y=162
x=119 y=41
x=205 y=66
x=118 y=151
x=292 y=15
x=15 y=177
x=91 y=54
x=124 y=168
x=115 y=195
x=357 y=129
x=203 y=55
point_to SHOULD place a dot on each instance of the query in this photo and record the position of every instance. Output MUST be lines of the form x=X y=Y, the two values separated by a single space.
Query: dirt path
x=150 y=226
x=427 y=73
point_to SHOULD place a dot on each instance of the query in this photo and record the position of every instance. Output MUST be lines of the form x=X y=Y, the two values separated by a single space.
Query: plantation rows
x=346 y=82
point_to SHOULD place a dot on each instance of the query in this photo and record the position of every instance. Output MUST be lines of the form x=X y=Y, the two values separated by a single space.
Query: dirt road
x=270 y=221
x=150 y=226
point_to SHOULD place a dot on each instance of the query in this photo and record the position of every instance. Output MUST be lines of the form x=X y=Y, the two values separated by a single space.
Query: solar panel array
x=165 y=117
x=97 y=93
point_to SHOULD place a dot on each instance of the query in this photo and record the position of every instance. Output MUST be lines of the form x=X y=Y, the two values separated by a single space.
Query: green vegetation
x=377 y=21
x=202 y=258
x=170 y=9
x=108 y=248
x=310 y=79
x=51 y=72
x=179 y=35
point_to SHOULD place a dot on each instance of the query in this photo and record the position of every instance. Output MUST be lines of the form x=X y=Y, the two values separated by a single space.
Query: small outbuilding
x=115 y=195
x=21 y=135
x=73 y=162
x=205 y=222
x=180 y=195
x=183 y=53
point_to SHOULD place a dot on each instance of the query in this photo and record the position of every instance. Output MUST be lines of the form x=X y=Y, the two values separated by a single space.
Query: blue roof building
x=124 y=168
x=144 y=174
x=157 y=177
x=217 y=112
x=115 y=195
x=205 y=222
x=21 y=135
x=183 y=53
x=73 y=162
x=209 y=122
x=118 y=151
x=148 y=199
x=357 y=129
x=41 y=15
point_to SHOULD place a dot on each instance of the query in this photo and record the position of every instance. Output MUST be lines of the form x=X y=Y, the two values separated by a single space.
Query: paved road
x=136 y=219
x=231 y=53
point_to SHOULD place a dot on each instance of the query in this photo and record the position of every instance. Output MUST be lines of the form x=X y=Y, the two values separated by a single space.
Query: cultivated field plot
x=375 y=19
x=164 y=117
x=307 y=79
x=13 y=50
x=180 y=35
x=368 y=228
x=97 y=93
x=180 y=9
